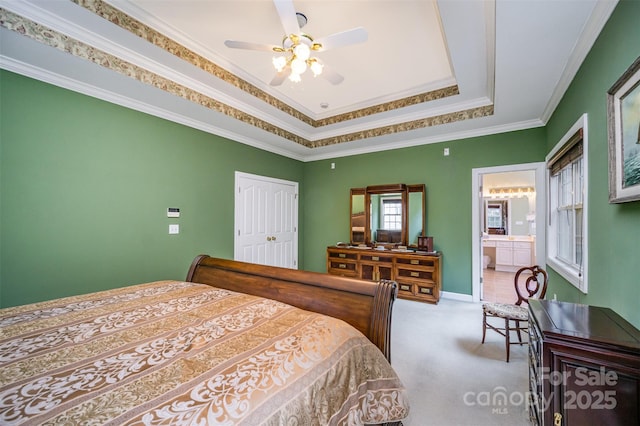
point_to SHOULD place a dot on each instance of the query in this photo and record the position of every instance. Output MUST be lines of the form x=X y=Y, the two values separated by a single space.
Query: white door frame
x=294 y=222
x=476 y=230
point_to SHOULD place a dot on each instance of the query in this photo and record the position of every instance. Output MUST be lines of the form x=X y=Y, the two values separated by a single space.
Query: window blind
x=570 y=151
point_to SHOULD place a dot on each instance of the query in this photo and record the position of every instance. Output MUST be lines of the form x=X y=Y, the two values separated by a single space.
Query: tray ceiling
x=428 y=72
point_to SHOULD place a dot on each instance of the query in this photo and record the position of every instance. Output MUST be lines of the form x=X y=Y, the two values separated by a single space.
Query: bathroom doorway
x=508 y=226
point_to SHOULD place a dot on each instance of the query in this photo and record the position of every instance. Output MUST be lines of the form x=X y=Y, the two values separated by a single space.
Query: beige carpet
x=451 y=377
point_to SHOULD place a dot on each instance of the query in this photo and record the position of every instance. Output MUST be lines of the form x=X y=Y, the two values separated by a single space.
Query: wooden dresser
x=584 y=365
x=419 y=275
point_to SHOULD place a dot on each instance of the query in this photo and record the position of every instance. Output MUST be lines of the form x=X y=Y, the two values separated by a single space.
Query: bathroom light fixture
x=512 y=192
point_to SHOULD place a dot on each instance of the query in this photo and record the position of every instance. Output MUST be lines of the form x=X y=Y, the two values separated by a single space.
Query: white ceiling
x=520 y=179
x=503 y=64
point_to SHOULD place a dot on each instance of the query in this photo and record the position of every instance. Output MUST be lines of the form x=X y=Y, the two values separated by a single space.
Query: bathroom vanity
x=509 y=253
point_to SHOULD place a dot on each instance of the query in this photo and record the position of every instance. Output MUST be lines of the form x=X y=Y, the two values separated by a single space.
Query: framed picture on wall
x=623 y=115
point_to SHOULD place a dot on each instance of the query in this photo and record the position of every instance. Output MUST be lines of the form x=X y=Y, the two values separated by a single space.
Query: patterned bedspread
x=174 y=353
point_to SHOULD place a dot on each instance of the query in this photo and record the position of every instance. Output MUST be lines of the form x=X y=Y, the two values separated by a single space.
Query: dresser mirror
x=388 y=215
x=357 y=218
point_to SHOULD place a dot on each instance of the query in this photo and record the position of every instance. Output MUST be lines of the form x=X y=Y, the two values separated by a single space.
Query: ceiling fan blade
x=280 y=77
x=331 y=75
x=287 y=13
x=249 y=46
x=344 y=38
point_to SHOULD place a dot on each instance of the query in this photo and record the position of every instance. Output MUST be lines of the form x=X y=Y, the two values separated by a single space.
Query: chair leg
x=507 y=333
x=484 y=325
x=518 y=331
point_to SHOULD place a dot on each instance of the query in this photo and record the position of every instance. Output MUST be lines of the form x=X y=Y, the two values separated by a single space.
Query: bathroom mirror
x=509 y=216
x=387 y=214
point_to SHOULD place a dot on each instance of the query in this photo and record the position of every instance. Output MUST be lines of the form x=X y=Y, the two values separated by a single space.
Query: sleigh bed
x=235 y=343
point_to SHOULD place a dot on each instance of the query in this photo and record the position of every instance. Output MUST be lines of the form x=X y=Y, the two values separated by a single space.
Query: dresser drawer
x=406 y=288
x=342 y=255
x=427 y=290
x=345 y=268
x=418 y=274
x=521 y=244
x=418 y=290
x=504 y=244
x=416 y=261
x=373 y=257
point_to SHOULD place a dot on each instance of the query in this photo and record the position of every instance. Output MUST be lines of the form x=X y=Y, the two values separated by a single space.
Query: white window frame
x=396 y=223
x=577 y=275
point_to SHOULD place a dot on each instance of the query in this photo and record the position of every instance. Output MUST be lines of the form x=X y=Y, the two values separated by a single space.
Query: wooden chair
x=529 y=282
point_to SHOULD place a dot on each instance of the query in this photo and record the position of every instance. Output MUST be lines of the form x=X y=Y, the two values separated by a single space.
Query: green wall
x=448 y=182
x=614 y=229
x=85 y=185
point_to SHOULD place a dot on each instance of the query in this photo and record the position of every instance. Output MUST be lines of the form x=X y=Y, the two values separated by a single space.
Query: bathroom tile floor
x=498 y=286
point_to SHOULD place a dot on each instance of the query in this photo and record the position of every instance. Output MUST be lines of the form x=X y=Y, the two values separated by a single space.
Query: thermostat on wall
x=173 y=212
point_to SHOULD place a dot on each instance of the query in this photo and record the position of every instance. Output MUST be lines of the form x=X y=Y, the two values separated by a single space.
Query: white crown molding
x=464 y=134
x=401 y=118
x=601 y=13
x=381 y=100
x=64 y=82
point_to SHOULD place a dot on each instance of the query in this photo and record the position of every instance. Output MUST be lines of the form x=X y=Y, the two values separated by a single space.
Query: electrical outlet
x=174 y=229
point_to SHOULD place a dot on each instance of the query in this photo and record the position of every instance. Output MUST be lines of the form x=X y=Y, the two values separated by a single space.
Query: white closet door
x=266 y=221
x=283 y=225
x=251 y=219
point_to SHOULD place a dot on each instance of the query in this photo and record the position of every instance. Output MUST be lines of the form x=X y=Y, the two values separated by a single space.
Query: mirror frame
x=404 y=191
x=385 y=189
x=352 y=239
x=423 y=205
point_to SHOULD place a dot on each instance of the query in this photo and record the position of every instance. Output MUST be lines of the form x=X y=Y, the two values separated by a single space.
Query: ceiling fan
x=297 y=47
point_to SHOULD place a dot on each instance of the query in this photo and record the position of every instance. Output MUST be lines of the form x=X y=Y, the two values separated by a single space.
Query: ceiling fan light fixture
x=316 y=67
x=279 y=62
x=302 y=51
x=295 y=77
x=293 y=57
x=298 y=66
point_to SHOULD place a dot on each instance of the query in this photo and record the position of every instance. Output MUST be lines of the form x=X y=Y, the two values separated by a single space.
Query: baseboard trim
x=456 y=296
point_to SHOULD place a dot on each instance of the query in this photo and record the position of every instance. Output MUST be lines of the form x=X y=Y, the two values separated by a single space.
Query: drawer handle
x=415 y=274
x=405 y=287
x=342 y=255
x=342 y=265
x=414 y=261
x=375 y=258
x=557 y=419
x=425 y=290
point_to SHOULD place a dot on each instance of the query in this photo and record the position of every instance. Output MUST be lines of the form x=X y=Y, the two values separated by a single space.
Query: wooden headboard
x=365 y=305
